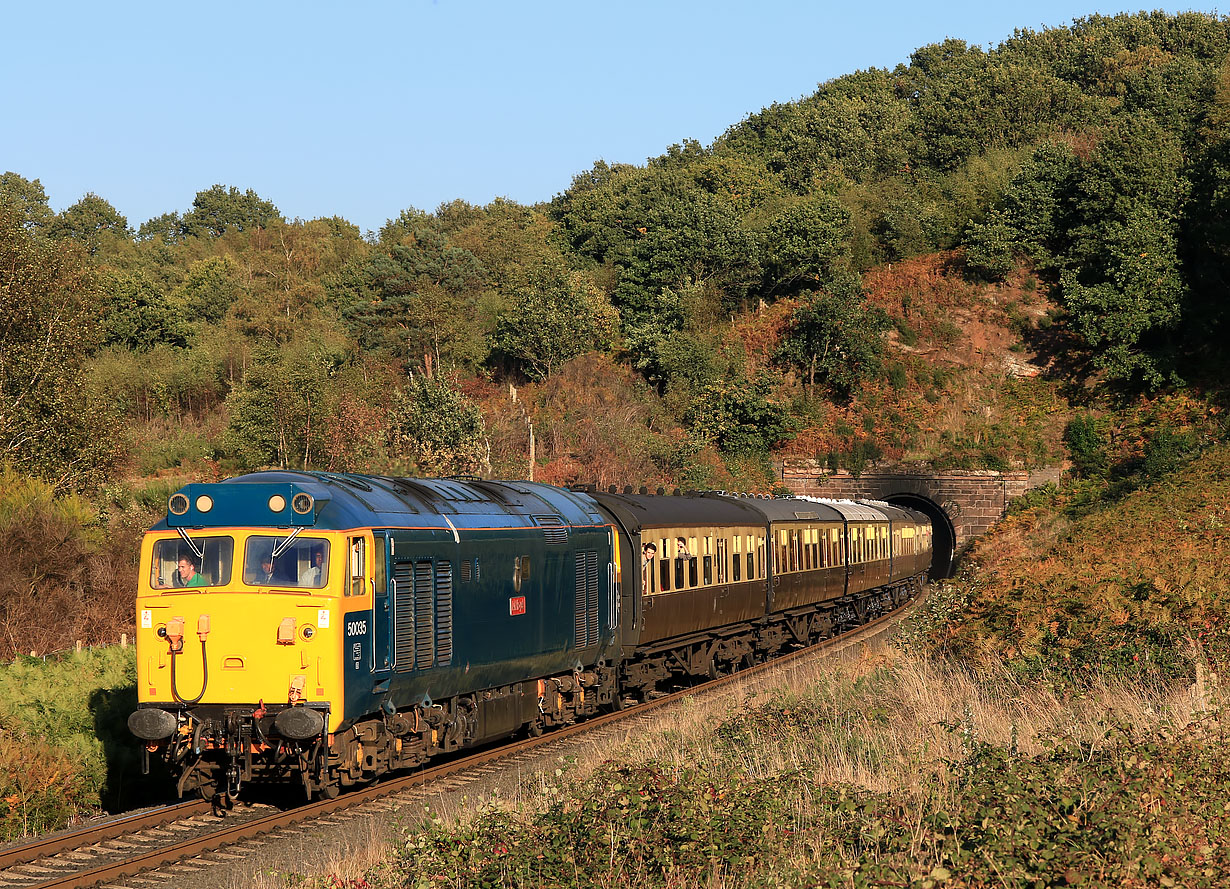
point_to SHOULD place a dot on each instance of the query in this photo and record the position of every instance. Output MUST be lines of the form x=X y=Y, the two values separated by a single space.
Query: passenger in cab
x=313 y=574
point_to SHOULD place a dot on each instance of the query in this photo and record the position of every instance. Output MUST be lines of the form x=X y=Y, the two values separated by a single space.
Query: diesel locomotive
x=351 y=625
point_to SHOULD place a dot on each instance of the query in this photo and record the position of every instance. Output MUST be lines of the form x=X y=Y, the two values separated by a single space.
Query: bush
x=1087 y=444
x=65 y=749
x=65 y=574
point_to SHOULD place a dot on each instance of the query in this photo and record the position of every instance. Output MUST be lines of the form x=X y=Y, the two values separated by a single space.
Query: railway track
x=124 y=847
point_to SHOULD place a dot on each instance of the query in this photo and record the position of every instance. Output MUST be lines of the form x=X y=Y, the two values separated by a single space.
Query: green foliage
x=209 y=287
x=138 y=315
x=219 y=209
x=1125 y=808
x=1166 y=451
x=739 y=416
x=92 y=222
x=836 y=341
x=417 y=299
x=556 y=317
x=166 y=228
x=439 y=428
x=278 y=412
x=807 y=248
x=26 y=200
x=65 y=749
x=1088 y=445
x=677 y=223
x=50 y=310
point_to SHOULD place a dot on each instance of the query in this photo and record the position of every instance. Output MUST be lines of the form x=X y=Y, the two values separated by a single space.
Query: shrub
x=1087 y=444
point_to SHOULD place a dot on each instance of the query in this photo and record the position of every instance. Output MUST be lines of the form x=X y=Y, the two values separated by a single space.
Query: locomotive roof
x=344 y=501
x=635 y=511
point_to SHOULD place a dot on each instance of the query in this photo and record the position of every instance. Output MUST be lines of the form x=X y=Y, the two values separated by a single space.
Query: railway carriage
x=351 y=625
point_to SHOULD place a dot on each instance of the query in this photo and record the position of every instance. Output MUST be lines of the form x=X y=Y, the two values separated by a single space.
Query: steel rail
x=45 y=847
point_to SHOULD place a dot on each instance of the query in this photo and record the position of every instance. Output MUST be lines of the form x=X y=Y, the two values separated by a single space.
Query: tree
x=739 y=416
x=278 y=413
x=219 y=209
x=1122 y=282
x=50 y=309
x=209 y=288
x=439 y=428
x=166 y=229
x=807 y=247
x=558 y=316
x=139 y=316
x=835 y=340
x=91 y=222
x=27 y=199
x=420 y=297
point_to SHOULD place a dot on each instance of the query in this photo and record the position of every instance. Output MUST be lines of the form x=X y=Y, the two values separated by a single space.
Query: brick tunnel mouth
x=944 y=538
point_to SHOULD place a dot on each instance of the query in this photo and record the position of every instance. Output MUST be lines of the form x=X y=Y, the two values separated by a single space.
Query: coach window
x=735 y=566
x=358 y=566
x=723 y=558
x=707 y=561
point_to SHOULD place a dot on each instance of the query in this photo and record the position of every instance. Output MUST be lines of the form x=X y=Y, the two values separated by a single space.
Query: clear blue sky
x=364 y=109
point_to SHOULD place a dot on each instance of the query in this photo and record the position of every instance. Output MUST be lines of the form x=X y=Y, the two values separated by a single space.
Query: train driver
x=186 y=574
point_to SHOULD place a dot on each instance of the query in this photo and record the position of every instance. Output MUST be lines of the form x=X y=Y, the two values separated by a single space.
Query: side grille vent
x=403 y=615
x=444 y=613
x=585 y=618
x=424 y=632
x=423 y=614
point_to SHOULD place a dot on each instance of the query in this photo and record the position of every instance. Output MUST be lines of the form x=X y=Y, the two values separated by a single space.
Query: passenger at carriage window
x=314 y=573
x=648 y=551
x=681 y=549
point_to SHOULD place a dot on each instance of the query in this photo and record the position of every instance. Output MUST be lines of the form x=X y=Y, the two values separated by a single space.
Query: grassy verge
x=65 y=750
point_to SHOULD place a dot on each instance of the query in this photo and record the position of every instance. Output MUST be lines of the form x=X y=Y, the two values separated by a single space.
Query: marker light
x=277 y=503
x=204 y=503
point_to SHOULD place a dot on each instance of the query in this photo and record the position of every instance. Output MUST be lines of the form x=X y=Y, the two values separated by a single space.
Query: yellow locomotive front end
x=238 y=630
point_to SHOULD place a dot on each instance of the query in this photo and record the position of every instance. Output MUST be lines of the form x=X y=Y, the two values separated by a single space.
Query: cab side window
x=358 y=566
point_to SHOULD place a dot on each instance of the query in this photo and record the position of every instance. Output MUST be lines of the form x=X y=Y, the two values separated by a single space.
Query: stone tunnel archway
x=962 y=504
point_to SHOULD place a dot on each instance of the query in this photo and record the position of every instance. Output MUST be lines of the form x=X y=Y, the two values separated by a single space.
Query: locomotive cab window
x=286 y=562
x=176 y=565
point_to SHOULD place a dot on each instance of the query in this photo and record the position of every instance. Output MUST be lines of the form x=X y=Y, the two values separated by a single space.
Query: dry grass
x=888 y=718
x=888 y=722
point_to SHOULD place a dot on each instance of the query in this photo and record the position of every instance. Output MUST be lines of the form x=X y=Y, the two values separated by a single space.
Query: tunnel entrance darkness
x=944 y=536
